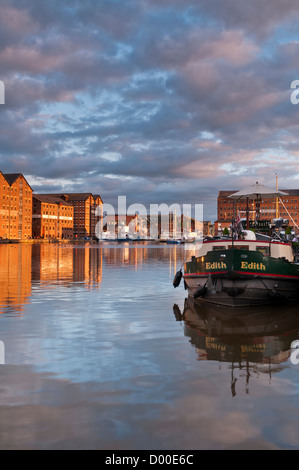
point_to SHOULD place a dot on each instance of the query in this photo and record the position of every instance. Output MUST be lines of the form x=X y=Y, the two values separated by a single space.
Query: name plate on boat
x=216 y=265
x=253 y=266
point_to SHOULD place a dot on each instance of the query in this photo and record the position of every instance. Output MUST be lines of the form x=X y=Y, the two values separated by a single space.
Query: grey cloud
x=255 y=17
x=118 y=95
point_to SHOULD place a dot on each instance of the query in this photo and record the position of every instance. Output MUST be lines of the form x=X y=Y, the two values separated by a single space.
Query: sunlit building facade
x=15 y=207
x=52 y=217
x=96 y=213
x=87 y=212
x=286 y=207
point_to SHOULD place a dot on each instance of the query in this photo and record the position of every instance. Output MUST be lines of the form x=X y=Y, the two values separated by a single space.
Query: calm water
x=101 y=352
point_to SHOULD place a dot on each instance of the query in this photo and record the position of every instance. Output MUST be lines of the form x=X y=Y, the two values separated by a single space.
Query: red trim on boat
x=255 y=273
x=268 y=274
x=205 y=274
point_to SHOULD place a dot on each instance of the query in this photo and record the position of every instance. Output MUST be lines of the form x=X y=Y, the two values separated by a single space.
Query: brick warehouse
x=15 y=207
x=52 y=217
x=288 y=208
x=86 y=212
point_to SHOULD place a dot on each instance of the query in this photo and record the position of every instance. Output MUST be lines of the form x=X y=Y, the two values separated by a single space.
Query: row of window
x=65 y=222
x=263 y=201
x=281 y=214
x=54 y=213
x=14 y=217
x=25 y=227
x=8 y=188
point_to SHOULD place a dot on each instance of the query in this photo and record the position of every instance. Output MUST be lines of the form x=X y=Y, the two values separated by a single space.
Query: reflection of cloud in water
x=109 y=368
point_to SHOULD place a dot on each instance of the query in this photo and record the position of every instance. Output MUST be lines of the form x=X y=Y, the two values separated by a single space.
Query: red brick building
x=287 y=208
x=15 y=207
x=52 y=217
x=96 y=213
x=86 y=212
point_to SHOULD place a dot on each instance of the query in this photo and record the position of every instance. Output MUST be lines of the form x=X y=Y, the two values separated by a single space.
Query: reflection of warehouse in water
x=52 y=262
x=22 y=265
x=15 y=276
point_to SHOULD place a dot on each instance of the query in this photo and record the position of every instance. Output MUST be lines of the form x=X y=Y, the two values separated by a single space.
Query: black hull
x=238 y=291
x=241 y=278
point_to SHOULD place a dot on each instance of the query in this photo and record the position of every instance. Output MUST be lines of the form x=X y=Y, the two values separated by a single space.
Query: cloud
x=256 y=18
x=186 y=95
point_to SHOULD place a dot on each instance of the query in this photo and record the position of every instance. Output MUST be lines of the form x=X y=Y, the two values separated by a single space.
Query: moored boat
x=247 y=269
x=243 y=272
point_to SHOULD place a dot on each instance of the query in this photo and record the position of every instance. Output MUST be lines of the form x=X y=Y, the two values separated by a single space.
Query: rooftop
x=290 y=192
x=11 y=178
x=51 y=199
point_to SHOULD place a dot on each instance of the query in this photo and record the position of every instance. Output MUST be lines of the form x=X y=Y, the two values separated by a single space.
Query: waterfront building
x=286 y=207
x=15 y=207
x=82 y=203
x=124 y=225
x=52 y=217
x=87 y=212
x=96 y=213
x=154 y=226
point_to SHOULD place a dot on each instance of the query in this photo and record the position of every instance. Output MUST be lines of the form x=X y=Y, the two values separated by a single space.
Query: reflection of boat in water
x=173 y=241
x=122 y=238
x=257 y=341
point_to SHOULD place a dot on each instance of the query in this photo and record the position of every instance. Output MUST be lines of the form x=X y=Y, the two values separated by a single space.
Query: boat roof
x=237 y=242
x=273 y=248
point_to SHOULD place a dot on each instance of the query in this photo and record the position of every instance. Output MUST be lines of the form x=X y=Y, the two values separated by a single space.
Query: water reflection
x=15 y=277
x=68 y=264
x=255 y=342
x=49 y=264
x=96 y=359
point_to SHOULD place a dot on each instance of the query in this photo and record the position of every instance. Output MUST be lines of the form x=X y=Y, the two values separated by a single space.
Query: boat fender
x=200 y=292
x=177 y=278
x=185 y=285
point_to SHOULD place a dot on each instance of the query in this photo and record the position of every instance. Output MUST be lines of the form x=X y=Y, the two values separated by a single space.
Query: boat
x=243 y=272
x=246 y=269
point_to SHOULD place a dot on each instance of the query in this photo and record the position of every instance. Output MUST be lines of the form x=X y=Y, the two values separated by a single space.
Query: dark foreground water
x=101 y=352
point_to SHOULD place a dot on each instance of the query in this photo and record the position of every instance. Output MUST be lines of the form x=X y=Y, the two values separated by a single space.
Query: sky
x=161 y=101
